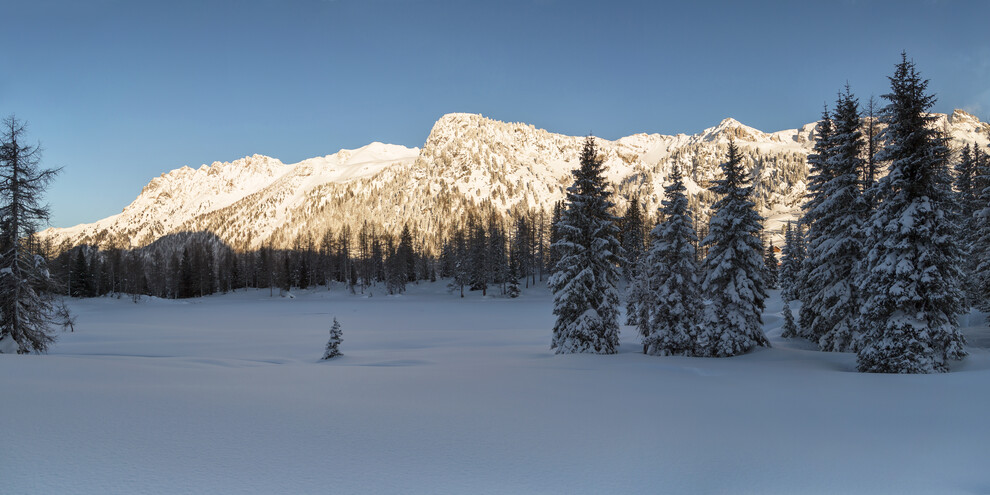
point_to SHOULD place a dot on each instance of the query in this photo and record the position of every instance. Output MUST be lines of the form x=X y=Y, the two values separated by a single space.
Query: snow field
x=438 y=394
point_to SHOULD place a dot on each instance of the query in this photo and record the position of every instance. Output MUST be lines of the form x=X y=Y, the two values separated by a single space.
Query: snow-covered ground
x=437 y=394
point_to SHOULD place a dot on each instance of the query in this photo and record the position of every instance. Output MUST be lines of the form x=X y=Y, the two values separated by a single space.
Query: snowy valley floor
x=437 y=394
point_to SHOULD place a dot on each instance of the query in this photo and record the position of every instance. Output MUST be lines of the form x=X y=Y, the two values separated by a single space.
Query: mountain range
x=467 y=162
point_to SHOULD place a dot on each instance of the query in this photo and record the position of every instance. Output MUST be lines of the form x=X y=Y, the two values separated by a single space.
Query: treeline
x=484 y=251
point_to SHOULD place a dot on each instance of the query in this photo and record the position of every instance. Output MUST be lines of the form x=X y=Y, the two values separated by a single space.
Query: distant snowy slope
x=263 y=187
x=467 y=162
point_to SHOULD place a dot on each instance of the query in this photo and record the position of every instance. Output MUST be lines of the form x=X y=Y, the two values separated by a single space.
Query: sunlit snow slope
x=468 y=161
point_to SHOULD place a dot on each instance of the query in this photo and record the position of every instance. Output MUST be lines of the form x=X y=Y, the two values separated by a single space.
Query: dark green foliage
x=771 y=267
x=80 y=280
x=632 y=237
x=911 y=275
x=835 y=238
x=732 y=322
x=584 y=279
x=333 y=345
x=820 y=176
x=670 y=297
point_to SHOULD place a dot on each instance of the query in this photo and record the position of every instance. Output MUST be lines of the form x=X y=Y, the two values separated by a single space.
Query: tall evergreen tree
x=478 y=265
x=836 y=238
x=80 y=280
x=980 y=247
x=640 y=299
x=584 y=280
x=790 y=326
x=910 y=280
x=632 y=242
x=631 y=236
x=771 y=267
x=732 y=322
x=966 y=179
x=820 y=175
x=521 y=251
x=790 y=264
x=671 y=275
x=462 y=261
x=395 y=273
x=553 y=256
x=407 y=255
x=29 y=302
x=497 y=258
x=187 y=286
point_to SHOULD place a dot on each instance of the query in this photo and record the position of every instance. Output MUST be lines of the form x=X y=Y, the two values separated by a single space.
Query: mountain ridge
x=467 y=161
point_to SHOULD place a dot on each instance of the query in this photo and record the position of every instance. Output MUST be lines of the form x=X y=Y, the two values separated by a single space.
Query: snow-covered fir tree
x=835 y=239
x=512 y=290
x=478 y=265
x=790 y=326
x=910 y=277
x=771 y=267
x=336 y=337
x=631 y=236
x=634 y=297
x=671 y=275
x=497 y=256
x=966 y=180
x=819 y=175
x=980 y=247
x=791 y=258
x=639 y=298
x=586 y=301
x=732 y=322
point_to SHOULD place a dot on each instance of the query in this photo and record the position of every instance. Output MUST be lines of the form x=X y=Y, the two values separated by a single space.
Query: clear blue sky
x=119 y=92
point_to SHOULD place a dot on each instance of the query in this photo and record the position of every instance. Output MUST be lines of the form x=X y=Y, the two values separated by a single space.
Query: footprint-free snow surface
x=438 y=394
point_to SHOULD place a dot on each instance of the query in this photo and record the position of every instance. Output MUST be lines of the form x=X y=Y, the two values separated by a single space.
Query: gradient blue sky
x=119 y=92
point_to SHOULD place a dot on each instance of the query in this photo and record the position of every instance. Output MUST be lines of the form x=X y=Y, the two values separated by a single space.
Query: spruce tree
x=478 y=252
x=497 y=256
x=734 y=285
x=552 y=255
x=671 y=276
x=407 y=256
x=512 y=291
x=461 y=269
x=29 y=302
x=521 y=252
x=336 y=337
x=966 y=180
x=980 y=247
x=395 y=273
x=819 y=176
x=631 y=238
x=771 y=267
x=835 y=239
x=584 y=280
x=80 y=280
x=790 y=327
x=790 y=264
x=640 y=299
x=910 y=278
